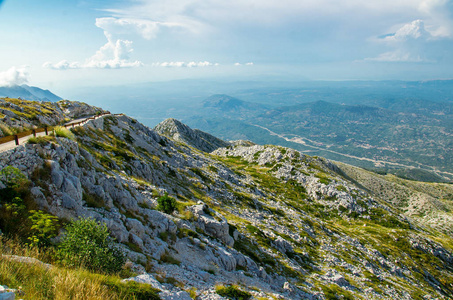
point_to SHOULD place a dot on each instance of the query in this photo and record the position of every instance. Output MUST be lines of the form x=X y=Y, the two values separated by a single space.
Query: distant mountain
x=27 y=92
x=227 y=103
x=198 y=139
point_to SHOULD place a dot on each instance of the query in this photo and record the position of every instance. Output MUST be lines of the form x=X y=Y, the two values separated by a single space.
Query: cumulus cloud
x=181 y=64
x=114 y=54
x=410 y=31
x=14 y=76
x=410 y=42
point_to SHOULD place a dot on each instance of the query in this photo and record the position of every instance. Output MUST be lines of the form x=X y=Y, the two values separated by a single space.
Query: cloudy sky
x=55 y=43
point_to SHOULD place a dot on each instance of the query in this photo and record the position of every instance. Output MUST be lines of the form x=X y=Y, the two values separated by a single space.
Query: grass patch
x=232 y=292
x=61 y=131
x=41 y=140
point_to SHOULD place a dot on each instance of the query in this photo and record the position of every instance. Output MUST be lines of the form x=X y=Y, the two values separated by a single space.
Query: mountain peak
x=228 y=103
x=198 y=139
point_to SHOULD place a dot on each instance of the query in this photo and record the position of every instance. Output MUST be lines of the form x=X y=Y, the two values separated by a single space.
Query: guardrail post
x=34 y=132
x=45 y=129
x=16 y=139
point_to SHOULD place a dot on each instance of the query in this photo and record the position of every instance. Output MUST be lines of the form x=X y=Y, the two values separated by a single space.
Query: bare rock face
x=212 y=223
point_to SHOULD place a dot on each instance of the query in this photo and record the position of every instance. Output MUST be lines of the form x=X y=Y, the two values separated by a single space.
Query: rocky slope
x=275 y=222
x=19 y=115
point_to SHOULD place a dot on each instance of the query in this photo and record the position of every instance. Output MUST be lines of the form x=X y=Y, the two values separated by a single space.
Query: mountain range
x=28 y=92
x=270 y=221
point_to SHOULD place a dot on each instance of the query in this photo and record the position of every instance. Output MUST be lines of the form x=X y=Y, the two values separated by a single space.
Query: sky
x=55 y=44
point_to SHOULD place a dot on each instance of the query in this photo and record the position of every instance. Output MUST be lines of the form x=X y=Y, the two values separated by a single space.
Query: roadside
x=74 y=123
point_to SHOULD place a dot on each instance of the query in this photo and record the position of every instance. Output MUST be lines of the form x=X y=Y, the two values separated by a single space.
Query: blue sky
x=55 y=44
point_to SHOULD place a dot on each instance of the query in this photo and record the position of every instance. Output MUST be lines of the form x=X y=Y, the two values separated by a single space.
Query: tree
x=87 y=244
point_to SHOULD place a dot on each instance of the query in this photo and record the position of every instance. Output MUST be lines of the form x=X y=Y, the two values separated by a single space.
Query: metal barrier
x=47 y=129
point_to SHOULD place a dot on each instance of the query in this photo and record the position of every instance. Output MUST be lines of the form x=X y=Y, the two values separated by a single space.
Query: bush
x=12 y=177
x=166 y=204
x=12 y=206
x=61 y=131
x=88 y=244
x=43 y=228
x=233 y=293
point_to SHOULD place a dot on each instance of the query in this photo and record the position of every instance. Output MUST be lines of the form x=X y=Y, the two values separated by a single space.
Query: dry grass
x=37 y=281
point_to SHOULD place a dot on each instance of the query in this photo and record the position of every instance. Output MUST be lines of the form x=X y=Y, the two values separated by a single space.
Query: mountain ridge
x=275 y=221
x=28 y=92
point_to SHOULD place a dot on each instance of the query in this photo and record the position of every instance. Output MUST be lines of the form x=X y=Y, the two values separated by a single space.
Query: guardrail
x=47 y=130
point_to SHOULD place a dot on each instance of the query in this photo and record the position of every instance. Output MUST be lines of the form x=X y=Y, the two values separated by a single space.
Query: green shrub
x=232 y=292
x=88 y=244
x=43 y=228
x=61 y=131
x=13 y=209
x=12 y=177
x=166 y=204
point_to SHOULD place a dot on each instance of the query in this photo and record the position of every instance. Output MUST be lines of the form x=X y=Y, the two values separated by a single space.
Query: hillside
x=275 y=222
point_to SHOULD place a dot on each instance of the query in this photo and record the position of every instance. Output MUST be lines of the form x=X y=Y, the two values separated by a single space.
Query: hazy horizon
x=63 y=45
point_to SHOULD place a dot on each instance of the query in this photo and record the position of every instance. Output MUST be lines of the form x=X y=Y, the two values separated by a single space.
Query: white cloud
x=148 y=29
x=410 y=31
x=115 y=54
x=397 y=56
x=410 y=42
x=62 y=65
x=246 y=64
x=14 y=76
x=181 y=64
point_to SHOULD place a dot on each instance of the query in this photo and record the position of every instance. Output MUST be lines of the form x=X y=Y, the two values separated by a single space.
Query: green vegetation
x=233 y=293
x=61 y=131
x=41 y=140
x=87 y=244
x=43 y=228
x=166 y=204
x=37 y=281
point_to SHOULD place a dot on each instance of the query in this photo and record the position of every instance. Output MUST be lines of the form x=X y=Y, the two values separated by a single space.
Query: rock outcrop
x=198 y=139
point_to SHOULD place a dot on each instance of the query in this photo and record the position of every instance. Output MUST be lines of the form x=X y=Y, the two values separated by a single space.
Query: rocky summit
x=271 y=221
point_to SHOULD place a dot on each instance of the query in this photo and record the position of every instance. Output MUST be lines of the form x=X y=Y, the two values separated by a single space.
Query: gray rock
x=39 y=197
